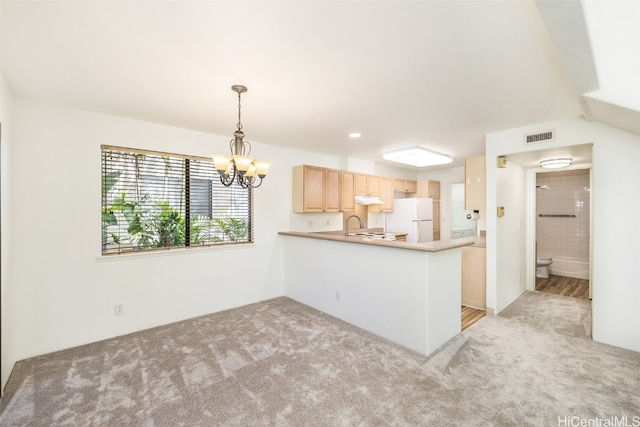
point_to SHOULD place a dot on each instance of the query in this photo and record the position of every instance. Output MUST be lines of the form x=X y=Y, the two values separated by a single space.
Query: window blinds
x=153 y=200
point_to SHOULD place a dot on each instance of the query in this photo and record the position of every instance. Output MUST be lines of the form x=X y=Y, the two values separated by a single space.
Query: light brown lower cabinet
x=474 y=292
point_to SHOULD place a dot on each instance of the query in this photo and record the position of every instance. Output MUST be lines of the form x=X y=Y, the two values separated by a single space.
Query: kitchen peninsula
x=409 y=293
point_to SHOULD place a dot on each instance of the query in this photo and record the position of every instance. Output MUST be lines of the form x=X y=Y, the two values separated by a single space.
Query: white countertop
x=435 y=246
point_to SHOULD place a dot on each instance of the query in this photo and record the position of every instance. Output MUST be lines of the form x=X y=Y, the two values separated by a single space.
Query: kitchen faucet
x=346 y=224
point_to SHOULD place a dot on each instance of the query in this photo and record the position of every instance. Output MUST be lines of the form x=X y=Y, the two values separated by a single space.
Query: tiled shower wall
x=567 y=193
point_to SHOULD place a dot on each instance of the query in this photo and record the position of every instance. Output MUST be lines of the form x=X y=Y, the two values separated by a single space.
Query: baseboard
x=473 y=304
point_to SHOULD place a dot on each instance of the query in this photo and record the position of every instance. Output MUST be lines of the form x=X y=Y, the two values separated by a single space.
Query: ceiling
x=431 y=73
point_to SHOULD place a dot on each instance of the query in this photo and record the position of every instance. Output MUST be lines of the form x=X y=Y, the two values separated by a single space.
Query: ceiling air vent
x=545 y=136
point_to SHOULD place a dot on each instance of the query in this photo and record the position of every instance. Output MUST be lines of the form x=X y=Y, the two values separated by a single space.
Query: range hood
x=368 y=200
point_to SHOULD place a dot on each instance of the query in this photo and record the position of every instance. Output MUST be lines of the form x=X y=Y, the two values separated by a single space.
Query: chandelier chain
x=239 y=108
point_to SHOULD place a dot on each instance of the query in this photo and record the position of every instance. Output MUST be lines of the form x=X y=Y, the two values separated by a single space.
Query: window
x=154 y=200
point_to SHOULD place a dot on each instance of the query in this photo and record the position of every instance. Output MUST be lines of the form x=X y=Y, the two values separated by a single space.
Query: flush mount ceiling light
x=417 y=156
x=556 y=163
x=243 y=167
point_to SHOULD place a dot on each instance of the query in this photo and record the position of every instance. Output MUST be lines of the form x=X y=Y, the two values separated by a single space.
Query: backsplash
x=563 y=193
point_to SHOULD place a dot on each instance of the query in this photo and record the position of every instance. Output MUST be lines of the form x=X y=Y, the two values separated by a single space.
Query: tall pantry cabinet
x=474 y=257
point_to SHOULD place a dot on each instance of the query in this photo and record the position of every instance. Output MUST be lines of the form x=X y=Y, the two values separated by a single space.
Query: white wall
x=511 y=185
x=386 y=170
x=63 y=291
x=615 y=174
x=6 y=101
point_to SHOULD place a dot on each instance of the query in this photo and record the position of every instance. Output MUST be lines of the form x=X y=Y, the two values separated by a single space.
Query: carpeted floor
x=281 y=363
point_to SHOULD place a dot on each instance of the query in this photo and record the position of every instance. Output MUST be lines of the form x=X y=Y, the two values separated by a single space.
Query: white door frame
x=531 y=227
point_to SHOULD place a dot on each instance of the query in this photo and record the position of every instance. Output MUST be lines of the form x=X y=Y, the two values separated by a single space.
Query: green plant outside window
x=156 y=201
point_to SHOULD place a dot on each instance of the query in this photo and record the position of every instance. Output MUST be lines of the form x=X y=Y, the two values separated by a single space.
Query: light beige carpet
x=280 y=363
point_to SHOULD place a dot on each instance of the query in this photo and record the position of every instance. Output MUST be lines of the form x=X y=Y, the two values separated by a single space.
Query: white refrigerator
x=413 y=216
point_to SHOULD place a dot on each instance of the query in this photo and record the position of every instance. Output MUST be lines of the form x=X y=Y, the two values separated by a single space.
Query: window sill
x=171 y=252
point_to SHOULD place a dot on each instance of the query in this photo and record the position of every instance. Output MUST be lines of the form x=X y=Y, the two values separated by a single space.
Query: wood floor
x=470 y=316
x=566 y=286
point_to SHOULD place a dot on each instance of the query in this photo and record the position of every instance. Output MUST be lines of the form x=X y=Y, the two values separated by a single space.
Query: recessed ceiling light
x=355 y=135
x=556 y=163
x=417 y=156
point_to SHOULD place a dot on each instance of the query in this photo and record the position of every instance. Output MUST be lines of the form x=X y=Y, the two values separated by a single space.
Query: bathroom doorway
x=524 y=176
x=562 y=232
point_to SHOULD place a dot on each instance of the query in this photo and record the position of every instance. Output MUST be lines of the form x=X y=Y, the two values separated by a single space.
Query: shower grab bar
x=558 y=215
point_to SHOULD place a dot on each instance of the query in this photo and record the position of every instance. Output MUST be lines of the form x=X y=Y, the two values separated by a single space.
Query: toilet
x=542 y=264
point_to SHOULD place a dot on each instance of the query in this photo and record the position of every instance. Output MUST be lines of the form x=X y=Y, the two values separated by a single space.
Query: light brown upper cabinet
x=316 y=189
x=475 y=184
x=386 y=195
x=405 y=185
x=428 y=188
x=348 y=185
x=367 y=185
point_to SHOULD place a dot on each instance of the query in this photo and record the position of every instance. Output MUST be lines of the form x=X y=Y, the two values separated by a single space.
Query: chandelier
x=239 y=167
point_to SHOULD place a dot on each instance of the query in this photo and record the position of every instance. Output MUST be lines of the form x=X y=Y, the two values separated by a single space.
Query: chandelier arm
x=248 y=182
x=243 y=181
x=259 y=184
x=227 y=179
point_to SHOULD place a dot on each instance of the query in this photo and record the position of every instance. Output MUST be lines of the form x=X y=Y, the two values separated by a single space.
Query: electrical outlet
x=118 y=309
x=310 y=223
x=337 y=295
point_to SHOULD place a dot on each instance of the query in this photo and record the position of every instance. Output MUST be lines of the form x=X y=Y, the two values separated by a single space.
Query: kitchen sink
x=374 y=235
